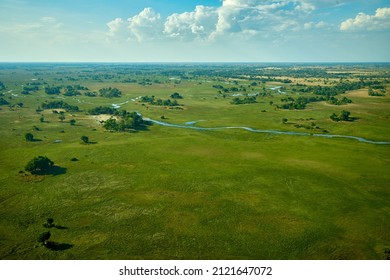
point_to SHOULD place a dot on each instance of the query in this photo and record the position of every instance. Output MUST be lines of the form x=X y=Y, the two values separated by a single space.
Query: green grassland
x=177 y=193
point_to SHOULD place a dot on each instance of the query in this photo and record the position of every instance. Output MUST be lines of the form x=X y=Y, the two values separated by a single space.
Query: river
x=190 y=125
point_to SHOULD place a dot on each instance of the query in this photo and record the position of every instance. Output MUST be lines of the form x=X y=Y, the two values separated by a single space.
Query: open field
x=181 y=193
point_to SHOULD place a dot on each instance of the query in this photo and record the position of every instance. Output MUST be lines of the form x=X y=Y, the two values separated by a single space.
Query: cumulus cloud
x=233 y=17
x=379 y=21
x=199 y=23
x=144 y=26
x=115 y=26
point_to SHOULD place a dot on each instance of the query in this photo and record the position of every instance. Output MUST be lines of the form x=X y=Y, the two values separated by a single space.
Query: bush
x=29 y=137
x=49 y=223
x=85 y=139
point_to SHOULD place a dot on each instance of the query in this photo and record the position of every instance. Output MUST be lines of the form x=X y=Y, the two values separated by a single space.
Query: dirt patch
x=101 y=118
x=358 y=93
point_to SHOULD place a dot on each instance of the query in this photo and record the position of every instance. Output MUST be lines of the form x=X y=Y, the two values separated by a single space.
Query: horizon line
x=198 y=62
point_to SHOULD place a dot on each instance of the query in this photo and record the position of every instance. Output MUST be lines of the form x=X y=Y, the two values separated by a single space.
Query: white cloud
x=115 y=25
x=243 y=18
x=310 y=25
x=146 y=25
x=199 y=23
x=379 y=21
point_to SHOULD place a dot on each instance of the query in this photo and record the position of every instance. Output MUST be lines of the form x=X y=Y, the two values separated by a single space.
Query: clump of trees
x=59 y=105
x=343 y=101
x=377 y=90
x=159 y=102
x=299 y=103
x=128 y=121
x=110 y=92
x=53 y=90
x=2 y=86
x=245 y=100
x=222 y=89
x=3 y=101
x=90 y=94
x=176 y=95
x=343 y=116
x=103 y=110
x=39 y=164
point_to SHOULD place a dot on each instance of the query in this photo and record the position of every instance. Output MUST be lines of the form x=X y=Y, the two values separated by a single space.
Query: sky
x=195 y=31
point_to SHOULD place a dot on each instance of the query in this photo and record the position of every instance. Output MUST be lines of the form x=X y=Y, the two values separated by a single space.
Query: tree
x=39 y=164
x=85 y=139
x=72 y=122
x=41 y=119
x=29 y=137
x=284 y=120
x=61 y=117
x=49 y=223
x=176 y=95
x=345 y=115
x=44 y=237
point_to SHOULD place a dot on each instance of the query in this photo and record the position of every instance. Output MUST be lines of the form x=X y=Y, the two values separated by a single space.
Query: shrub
x=29 y=137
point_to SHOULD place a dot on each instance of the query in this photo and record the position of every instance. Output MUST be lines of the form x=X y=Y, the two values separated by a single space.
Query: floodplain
x=193 y=161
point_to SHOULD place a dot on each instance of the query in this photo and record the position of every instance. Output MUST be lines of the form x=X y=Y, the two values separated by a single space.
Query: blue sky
x=195 y=30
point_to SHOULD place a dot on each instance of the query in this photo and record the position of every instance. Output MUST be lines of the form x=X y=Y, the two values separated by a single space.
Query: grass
x=170 y=193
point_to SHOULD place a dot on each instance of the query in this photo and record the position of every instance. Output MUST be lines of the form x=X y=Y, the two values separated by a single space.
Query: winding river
x=190 y=125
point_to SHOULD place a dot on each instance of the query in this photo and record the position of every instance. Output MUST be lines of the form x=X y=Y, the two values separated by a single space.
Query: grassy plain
x=173 y=193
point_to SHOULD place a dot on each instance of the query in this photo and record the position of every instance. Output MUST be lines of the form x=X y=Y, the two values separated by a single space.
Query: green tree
x=29 y=137
x=39 y=164
x=345 y=115
x=72 y=122
x=176 y=95
x=49 y=223
x=284 y=120
x=61 y=117
x=44 y=237
x=85 y=139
